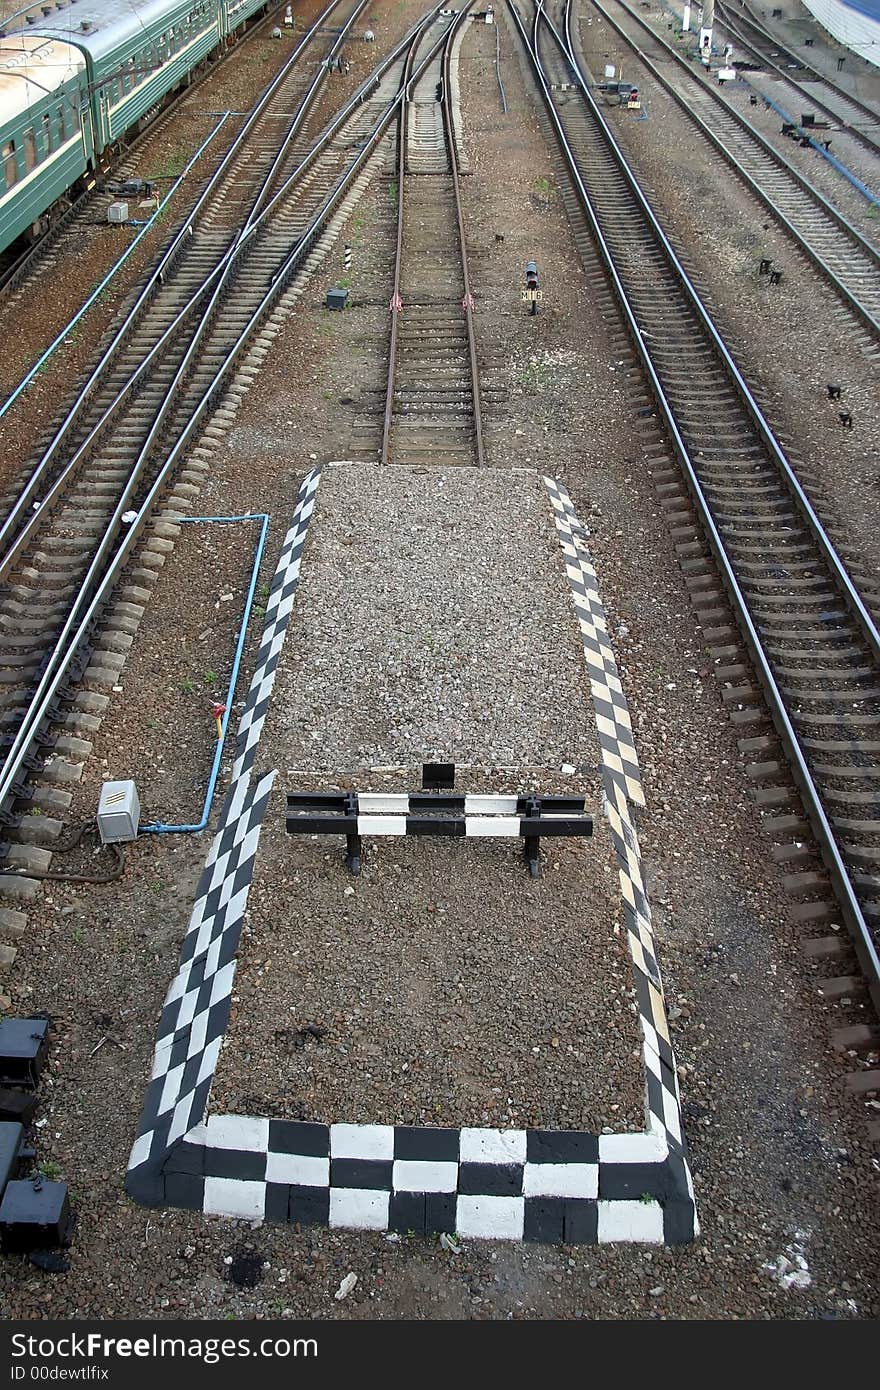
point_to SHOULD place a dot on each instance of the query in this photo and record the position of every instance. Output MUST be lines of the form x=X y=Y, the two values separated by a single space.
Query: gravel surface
x=781 y=1163
x=433 y=623
x=451 y=987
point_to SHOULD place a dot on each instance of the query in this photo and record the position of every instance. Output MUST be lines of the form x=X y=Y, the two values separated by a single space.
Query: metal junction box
x=119 y=812
x=117 y=212
x=336 y=298
x=22 y=1051
x=34 y=1214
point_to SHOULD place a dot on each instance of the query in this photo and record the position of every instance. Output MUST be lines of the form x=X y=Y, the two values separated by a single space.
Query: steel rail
x=154 y=279
x=398 y=262
x=838 y=873
x=468 y=301
x=11 y=276
x=95 y=590
x=862 y=244
x=732 y=27
x=829 y=553
x=219 y=272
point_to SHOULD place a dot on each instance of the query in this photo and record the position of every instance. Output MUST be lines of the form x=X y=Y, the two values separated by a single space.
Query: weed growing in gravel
x=210 y=678
x=542 y=191
x=187 y=687
x=537 y=375
x=50 y=1170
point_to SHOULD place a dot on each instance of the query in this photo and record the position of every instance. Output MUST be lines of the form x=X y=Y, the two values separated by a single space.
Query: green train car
x=75 y=82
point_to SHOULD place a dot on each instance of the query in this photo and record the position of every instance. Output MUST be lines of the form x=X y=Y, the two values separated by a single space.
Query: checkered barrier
x=529 y=816
x=505 y=1184
x=620 y=761
x=278 y=610
x=549 y=1186
x=196 y=1010
x=623 y=786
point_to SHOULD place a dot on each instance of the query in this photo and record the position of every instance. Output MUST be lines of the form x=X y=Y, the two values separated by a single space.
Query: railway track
x=121 y=450
x=858 y=119
x=813 y=646
x=14 y=271
x=152 y=338
x=849 y=261
x=432 y=402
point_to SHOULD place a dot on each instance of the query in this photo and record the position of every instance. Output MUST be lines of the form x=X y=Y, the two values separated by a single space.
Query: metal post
x=707 y=20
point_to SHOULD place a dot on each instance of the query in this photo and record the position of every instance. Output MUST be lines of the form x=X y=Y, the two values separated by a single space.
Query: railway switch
x=531 y=294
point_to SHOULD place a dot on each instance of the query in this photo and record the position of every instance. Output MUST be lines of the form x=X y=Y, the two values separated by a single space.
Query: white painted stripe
x=302 y=1170
x=561 y=1180
x=632 y=1148
x=492 y=1146
x=413 y=1175
x=492 y=825
x=238 y=1132
x=620 y=1220
x=362 y=1141
x=234 y=1197
x=490 y=805
x=360 y=1208
x=372 y=802
x=381 y=825
x=491 y=1218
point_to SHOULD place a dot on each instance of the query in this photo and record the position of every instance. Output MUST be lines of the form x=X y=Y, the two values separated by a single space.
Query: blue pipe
x=159 y=827
x=25 y=381
x=826 y=154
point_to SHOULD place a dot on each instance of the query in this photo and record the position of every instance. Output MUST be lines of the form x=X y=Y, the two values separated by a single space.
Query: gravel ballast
x=778 y=1149
x=433 y=621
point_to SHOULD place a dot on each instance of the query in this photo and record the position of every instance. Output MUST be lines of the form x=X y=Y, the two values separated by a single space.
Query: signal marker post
x=531 y=294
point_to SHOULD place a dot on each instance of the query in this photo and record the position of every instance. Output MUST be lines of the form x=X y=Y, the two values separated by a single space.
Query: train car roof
x=32 y=67
x=109 y=24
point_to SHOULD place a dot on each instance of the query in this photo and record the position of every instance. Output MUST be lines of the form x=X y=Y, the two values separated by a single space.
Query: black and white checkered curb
x=278 y=610
x=196 y=1009
x=503 y=1184
x=623 y=787
x=619 y=758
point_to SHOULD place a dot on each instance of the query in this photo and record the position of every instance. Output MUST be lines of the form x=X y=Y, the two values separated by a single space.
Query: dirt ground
x=785 y=1178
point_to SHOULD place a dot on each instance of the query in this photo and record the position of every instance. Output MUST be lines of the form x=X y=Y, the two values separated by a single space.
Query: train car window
x=47 y=133
x=30 y=149
x=10 y=171
x=59 y=125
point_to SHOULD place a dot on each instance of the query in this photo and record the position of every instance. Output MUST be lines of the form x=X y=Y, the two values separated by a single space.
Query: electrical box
x=336 y=298
x=11 y=1144
x=34 y=1213
x=22 y=1051
x=119 y=812
x=117 y=212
